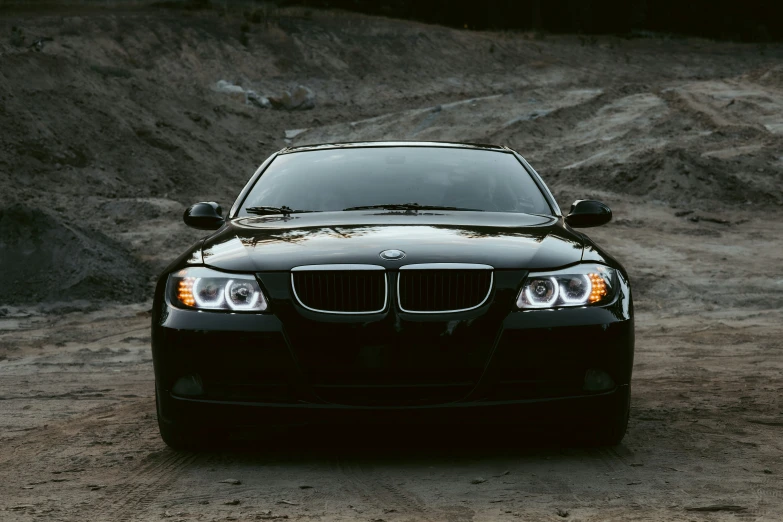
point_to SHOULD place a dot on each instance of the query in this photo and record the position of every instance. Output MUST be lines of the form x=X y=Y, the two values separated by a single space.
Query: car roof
x=377 y=144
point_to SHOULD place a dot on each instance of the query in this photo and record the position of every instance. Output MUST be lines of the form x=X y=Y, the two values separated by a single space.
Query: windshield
x=342 y=179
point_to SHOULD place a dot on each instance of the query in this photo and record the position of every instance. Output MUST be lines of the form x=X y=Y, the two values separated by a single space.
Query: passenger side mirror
x=586 y=213
x=204 y=216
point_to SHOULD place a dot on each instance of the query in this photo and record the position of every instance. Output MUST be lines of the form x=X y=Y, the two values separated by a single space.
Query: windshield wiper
x=263 y=211
x=411 y=206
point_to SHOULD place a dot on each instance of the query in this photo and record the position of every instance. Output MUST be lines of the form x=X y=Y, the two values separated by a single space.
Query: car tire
x=183 y=438
x=610 y=429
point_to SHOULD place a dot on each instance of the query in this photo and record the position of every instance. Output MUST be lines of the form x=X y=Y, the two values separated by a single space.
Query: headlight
x=580 y=285
x=205 y=289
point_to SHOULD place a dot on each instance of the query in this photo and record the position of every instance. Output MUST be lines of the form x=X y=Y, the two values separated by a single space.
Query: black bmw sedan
x=393 y=282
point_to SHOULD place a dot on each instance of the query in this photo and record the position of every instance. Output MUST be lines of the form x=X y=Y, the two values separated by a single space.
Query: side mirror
x=204 y=216
x=588 y=213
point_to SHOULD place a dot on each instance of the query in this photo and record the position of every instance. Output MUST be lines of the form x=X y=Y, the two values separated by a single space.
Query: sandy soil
x=113 y=127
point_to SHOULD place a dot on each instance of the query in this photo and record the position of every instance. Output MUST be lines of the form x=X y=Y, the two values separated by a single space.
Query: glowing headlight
x=579 y=285
x=205 y=289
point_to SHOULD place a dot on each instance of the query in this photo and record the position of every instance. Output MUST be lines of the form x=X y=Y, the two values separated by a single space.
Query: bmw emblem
x=392 y=255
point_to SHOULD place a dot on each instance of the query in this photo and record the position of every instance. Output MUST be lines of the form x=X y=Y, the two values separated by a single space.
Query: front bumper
x=536 y=412
x=239 y=369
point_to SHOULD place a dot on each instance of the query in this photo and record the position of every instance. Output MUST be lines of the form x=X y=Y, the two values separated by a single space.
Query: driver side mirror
x=204 y=216
x=586 y=213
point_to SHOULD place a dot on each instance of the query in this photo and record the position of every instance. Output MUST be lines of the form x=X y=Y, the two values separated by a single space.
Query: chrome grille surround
x=444 y=267
x=347 y=268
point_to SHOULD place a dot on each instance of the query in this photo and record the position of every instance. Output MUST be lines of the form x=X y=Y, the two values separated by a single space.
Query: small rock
x=478 y=480
x=38 y=45
x=437 y=108
x=253 y=98
x=233 y=482
x=293 y=133
x=228 y=87
x=203 y=502
x=305 y=487
x=562 y=513
x=234 y=502
x=282 y=101
x=768 y=471
x=303 y=98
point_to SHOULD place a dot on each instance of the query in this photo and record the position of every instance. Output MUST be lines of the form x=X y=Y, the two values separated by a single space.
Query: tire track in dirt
x=347 y=481
x=131 y=497
x=767 y=497
x=134 y=495
x=49 y=439
x=546 y=484
x=390 y=493
x=614 y=458
x=375 y=489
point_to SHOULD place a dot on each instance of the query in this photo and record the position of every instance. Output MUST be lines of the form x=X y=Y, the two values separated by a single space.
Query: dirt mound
x=45 y=259
x=769 y=76
x=684 y=178
x=115 y=123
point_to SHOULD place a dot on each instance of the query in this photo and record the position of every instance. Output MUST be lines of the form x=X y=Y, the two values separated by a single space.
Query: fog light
x=596 y=380
x=188 y=386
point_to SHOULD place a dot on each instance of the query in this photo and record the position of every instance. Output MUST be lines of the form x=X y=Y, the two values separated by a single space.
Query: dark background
x=749 y=20
x=735 y=20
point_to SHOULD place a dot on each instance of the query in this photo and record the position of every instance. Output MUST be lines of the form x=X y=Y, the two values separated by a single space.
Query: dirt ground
x=114 y=126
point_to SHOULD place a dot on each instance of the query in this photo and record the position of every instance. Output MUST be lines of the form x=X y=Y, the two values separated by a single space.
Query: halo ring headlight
x=202 y=288
x=585 y=284
x=542 y=292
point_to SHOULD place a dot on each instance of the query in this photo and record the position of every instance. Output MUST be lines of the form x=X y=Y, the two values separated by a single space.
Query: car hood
x=502 y=240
